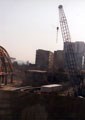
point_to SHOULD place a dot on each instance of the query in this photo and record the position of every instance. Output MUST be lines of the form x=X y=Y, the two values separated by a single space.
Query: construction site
x=51 y=89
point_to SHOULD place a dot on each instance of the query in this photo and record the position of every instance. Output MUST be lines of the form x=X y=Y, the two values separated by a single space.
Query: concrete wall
x=35 y=78
x=28 y=106
x=52 y=107
x=8 y=105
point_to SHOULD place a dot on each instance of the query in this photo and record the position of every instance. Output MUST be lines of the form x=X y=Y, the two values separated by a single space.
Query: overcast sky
x=27 y=25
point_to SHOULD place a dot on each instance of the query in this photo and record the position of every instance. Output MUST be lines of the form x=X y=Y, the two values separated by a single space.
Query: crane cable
x=57 y=34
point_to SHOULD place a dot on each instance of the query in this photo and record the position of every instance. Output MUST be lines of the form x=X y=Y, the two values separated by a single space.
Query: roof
x=52 y=85
x=51 y=88
x=39 y=71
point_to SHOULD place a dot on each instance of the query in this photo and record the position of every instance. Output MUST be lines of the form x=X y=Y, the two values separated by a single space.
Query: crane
x=71 y=61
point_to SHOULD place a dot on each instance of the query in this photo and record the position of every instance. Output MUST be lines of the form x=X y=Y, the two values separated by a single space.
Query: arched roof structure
x=5 y=61
x=6 y=66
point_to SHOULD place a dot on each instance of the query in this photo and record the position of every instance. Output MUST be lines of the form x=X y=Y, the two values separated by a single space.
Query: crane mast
x=71 y=62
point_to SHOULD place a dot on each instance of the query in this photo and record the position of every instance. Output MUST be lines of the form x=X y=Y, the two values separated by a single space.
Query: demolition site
x=51 y=89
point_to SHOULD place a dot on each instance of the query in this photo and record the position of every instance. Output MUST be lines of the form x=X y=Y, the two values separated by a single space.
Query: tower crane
x=71 y=62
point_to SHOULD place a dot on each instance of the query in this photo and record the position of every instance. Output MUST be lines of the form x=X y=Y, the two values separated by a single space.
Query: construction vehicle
x=71 y=59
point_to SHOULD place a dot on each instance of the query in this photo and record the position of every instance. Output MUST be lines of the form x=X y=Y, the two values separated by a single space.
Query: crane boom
x=70 y=57
x=64 y=25
x=69 y=52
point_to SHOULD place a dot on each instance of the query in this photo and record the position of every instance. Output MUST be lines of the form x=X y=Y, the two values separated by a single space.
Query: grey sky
x=27 y=25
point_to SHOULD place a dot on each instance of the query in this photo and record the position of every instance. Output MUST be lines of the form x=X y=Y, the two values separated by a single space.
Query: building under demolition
x=79 y=53
x=44 y=60
x=59 y=60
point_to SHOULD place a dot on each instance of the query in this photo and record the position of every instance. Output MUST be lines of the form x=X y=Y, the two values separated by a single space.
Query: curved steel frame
x=6 y=65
